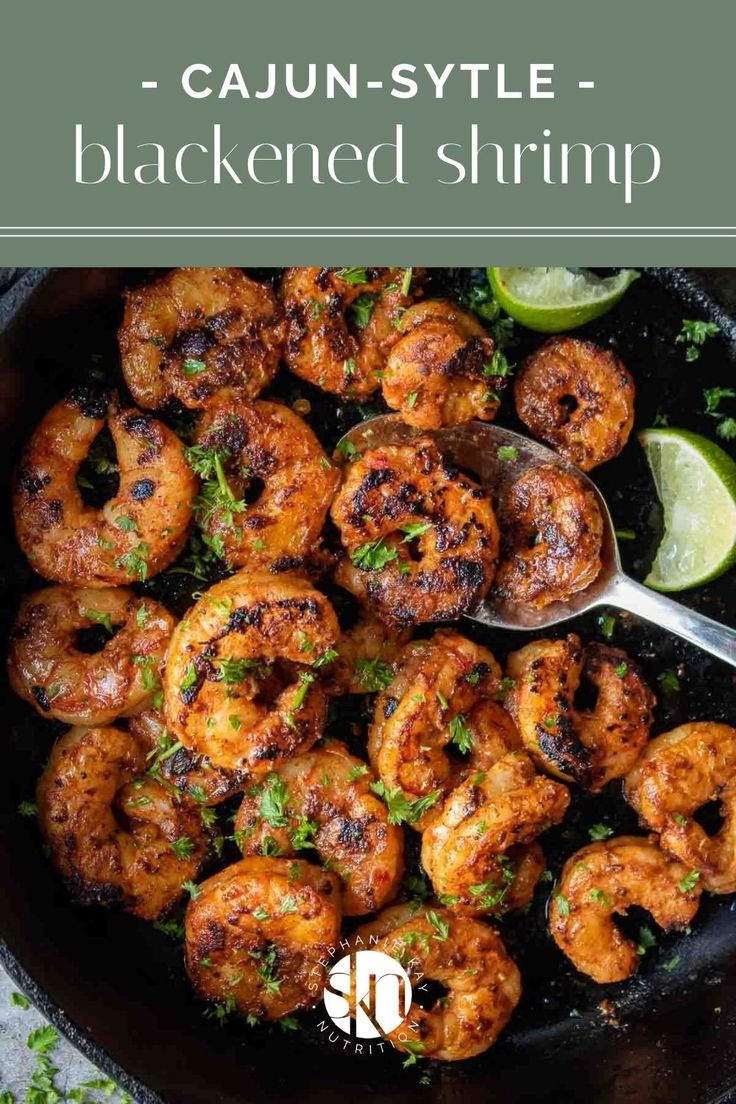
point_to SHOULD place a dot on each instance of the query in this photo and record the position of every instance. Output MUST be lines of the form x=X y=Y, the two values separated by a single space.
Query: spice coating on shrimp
x=238 y=685
x=195 y=331
x=323 y=800
x=680 y=771
x=137 y=533
x=440 y=695
x=423 y=535
x=442 y=370
x=47 y=669
x=258 y=934
x=608 y=878
x=341 y=324
x=552 y=532
x=591 y=746
x=463 y=955
x=467 y=849
x=193 y=776
x=577 y=397
x=267 y=443
x=116 y=835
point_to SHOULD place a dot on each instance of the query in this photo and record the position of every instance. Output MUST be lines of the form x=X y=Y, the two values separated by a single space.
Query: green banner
x=231 y=132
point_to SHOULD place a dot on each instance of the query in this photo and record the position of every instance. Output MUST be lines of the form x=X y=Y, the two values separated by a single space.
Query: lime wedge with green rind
x=552 y=300
x=696 y=484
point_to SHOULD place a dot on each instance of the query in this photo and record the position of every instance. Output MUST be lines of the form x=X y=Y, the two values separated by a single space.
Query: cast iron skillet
x=115 y=986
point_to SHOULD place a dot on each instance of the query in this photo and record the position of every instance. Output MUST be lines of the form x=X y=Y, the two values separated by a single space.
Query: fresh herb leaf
x=373 y=674
x=374 y=555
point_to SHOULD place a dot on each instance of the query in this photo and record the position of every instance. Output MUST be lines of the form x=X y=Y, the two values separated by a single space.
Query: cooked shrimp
x=466 y=850
x=117 y=836
x=195 y=331
x=577 y=397
x=440 y=695
x=238 y=686
x=367 y=650
x=341 y=323
x=442 y=370
x=467 y=958
x=324 y=800
x=552 y=531
x=402 y=496
x=605 y=879
x=259 y=934
x=47 y=669
x=137 y=533
x=590 y=746
x=252 y=445
x=194 y=776
x=678 y=772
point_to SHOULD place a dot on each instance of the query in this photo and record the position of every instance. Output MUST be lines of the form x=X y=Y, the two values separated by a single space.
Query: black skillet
x=115 y=985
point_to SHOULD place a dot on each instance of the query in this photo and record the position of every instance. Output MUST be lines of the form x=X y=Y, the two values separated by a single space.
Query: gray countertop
x=18 y=1061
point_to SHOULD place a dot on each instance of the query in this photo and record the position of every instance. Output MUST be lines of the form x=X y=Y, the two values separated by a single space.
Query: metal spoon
x=474 y=447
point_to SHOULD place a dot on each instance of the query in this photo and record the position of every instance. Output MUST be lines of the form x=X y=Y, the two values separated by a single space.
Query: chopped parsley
x=135 y=561
x=563 y=905
x=688 y=883
x=373 y=674
x=183 y=847
x=400 y=809
x=507 y=452
x=362 y=309
x=622 y=670
x=193 y=367
x=460 y=734
x=273 y=801
x=353 y=276
x=441 y=927
x=374 y=555
x=669 y=682
x=414 y=529
x=600 y=832
x=647 y=940
x=600 y=897
x=693 y=334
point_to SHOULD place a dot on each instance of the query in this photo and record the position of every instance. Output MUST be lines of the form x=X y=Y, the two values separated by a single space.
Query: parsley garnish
x=686 y=884
x=373 y=674
x=193 y=367
x=600 y=832
x=400 y=809
x=374 y=555
x=273 y=801
x=460 y=734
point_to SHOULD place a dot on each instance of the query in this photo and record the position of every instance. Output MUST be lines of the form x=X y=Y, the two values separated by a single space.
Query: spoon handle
x=719 y=640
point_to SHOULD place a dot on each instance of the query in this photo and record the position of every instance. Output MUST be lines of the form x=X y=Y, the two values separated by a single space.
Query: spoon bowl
x=474 y=447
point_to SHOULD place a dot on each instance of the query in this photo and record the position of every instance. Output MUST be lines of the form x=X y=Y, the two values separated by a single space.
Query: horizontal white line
x=149 y=84
x=386 y=236
x=586 y=84
x=377 y=227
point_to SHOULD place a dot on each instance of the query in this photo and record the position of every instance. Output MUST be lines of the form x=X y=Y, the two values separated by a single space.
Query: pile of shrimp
x=198 y=756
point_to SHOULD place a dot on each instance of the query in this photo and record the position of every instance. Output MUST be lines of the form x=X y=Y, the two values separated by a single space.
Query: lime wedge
x=696 y=483
x=551 y=300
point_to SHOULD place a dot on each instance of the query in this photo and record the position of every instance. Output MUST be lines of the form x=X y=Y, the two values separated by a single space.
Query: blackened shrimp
x=137 y=533
x=367 y=649
x=577 y=397
x=423 y=535
x=48 y=669
x=679 y=772
x=238 y=684
x=468 y=959
x=117 y=836
x=552 y=532
x=605 y=879
x=341 y=324
x=589 y=746
x=471 y=849
x=440 y=699
x=263 y=448
x=259 y=933
x=323 y=800
x=442 y=371
x=195 y=331
x=193 y=776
